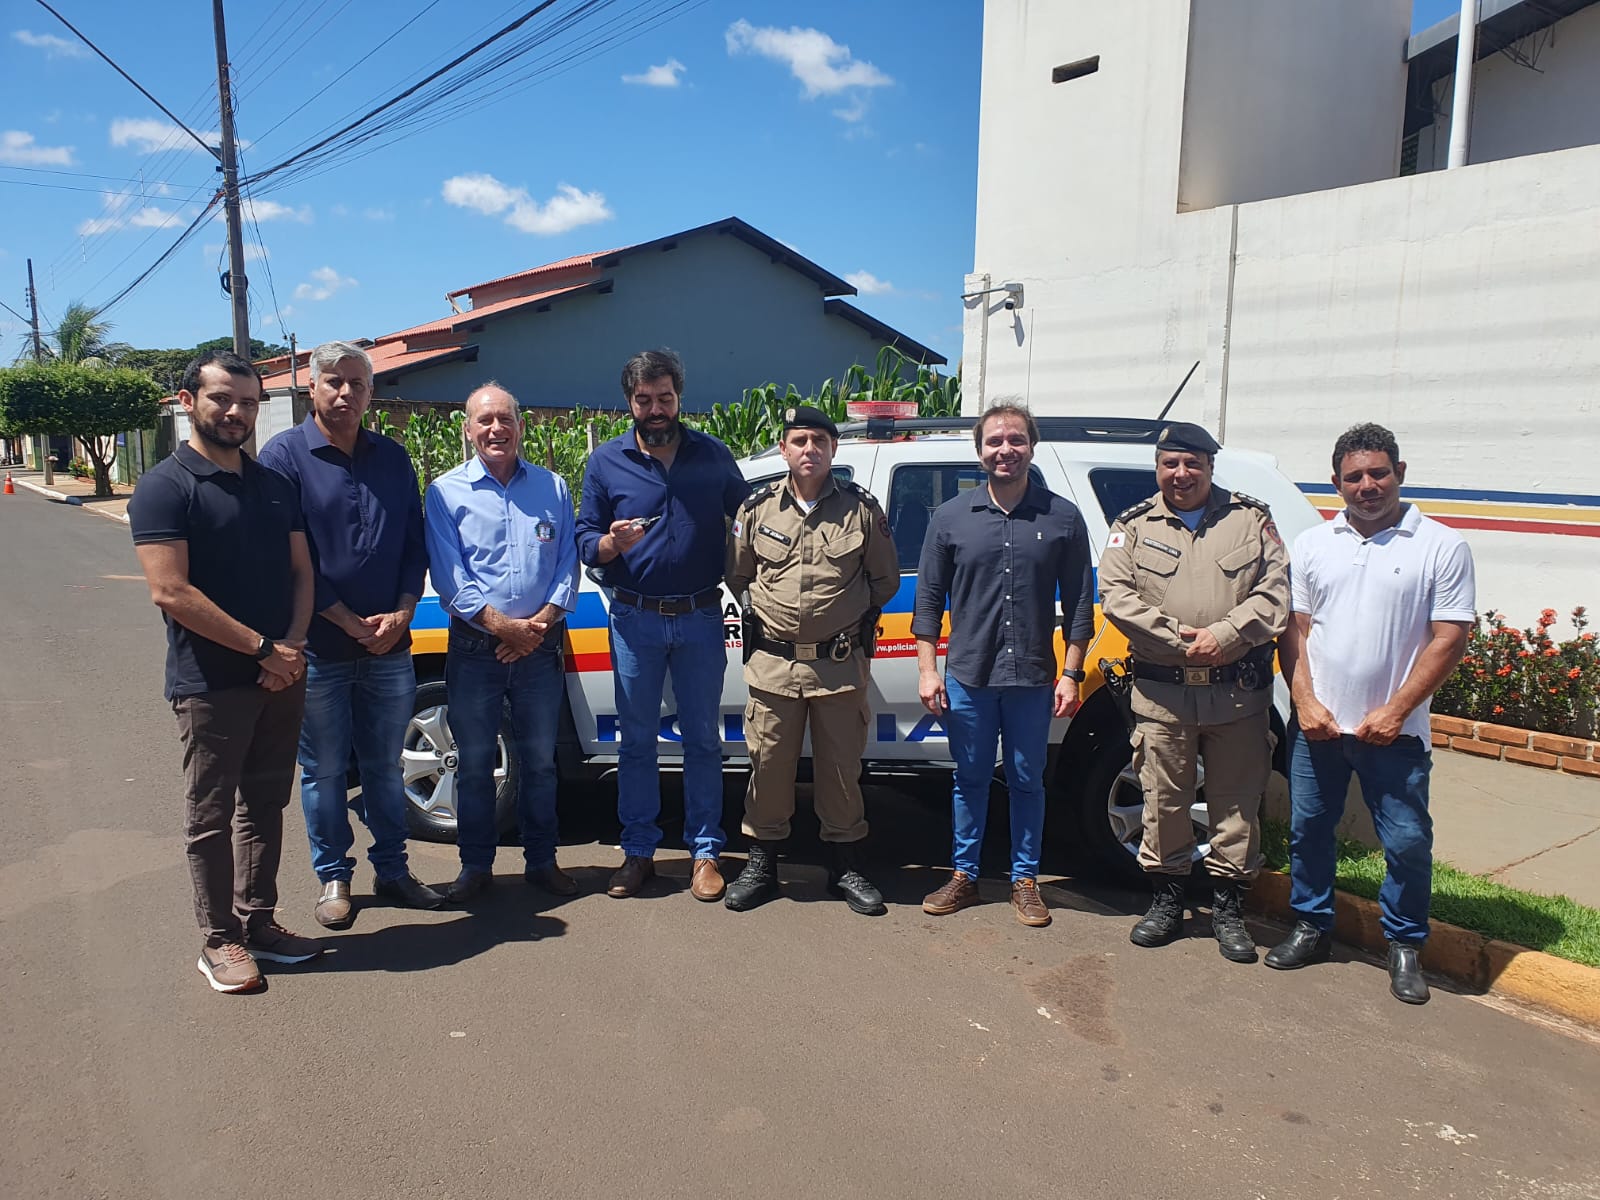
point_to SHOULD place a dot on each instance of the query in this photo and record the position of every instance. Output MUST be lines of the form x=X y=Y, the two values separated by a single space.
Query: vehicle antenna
x=1161 y=416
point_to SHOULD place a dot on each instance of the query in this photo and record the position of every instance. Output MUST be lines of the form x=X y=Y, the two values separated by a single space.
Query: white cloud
x=148 y=135
x=271 y=210
x=378 y=214
x=18 y=149
x=568 y=209
x=857 y=110
x=53 y=46
x=324 y=282
x=822 y=65
x=95 y=226
x=153 y=218
x=869 y=284
x=664 y=76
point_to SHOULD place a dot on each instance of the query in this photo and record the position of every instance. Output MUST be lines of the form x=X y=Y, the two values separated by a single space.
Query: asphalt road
x=661 y=1047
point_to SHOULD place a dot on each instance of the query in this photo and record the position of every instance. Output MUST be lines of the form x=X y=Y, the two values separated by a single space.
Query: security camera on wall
x=1013 y=300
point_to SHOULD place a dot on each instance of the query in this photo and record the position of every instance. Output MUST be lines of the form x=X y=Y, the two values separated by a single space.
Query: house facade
x=741 y=308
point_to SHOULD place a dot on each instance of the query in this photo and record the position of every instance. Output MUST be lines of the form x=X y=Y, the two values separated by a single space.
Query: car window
x=1120 y=488
x=916 y=489
x=842 y=474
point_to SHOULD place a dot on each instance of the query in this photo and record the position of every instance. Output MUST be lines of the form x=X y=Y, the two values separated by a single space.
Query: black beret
x=803 y=416
x=1185 y=435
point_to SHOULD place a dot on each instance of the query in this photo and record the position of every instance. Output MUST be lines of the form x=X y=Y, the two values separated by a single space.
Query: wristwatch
x=1075 y=676
x=265 y=649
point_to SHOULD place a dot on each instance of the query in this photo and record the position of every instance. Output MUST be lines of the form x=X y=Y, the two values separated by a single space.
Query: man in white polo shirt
x=1382 y=601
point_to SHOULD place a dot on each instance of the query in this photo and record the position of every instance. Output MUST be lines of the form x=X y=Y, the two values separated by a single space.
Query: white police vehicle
x=912 y=467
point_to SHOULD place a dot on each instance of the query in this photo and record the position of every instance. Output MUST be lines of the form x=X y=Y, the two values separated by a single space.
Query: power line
x=112 y=63
x=183 y=239
x=387 y=104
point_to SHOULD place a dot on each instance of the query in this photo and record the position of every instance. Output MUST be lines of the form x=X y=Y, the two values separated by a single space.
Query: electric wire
x=183 y=239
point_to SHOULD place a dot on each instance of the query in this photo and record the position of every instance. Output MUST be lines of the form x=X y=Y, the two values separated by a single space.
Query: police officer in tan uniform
x=818 y=563
x=1198 y=580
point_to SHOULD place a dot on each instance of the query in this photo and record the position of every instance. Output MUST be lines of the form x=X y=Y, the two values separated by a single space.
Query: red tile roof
x=460 y=320
x=577 y=262
x=386 y=356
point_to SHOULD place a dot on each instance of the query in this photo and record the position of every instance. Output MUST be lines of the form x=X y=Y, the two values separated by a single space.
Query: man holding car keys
x=666 y=610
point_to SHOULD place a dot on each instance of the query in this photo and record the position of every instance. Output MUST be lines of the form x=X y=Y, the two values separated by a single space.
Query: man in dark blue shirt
x=222 y=544
x=656 y=502
x=363 y=514
x=1000 y=554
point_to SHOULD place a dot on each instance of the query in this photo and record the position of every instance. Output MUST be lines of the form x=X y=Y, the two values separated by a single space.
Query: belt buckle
x=1197 y=676
x=805 y=651
x=664 y=607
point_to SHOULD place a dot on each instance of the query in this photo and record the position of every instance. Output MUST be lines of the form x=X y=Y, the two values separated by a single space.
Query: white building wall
x=1281 y=98
x=1461 y=308
x=1518 y=110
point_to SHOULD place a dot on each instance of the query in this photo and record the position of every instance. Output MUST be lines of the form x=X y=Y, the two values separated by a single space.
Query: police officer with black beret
x=1197 y=579
x=817 y=561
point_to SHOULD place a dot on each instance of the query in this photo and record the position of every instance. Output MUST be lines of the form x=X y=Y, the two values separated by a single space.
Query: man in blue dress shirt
x=363 y=516
x=503 y=560
x=656 y=502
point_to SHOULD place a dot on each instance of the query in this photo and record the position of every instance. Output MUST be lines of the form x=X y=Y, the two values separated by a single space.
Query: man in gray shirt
x=998 y=555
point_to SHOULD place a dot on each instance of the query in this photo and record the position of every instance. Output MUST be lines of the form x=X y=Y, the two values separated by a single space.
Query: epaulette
x=1252 y=502
x=863 y=495
x=1134 y=510
x=757 y=496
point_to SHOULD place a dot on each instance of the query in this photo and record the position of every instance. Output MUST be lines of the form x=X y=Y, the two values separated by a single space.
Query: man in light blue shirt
x=503 y=558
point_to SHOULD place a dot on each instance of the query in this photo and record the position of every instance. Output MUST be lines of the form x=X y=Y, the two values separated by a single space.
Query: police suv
x=912 y=467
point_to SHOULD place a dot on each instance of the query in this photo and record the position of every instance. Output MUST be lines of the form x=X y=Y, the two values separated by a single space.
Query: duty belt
x=1253 y=672
x=669 y=606
x=837 y=648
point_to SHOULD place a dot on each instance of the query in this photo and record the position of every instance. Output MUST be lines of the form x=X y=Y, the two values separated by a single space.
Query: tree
x=80 y=338
x=166 y=366
x=92 y=404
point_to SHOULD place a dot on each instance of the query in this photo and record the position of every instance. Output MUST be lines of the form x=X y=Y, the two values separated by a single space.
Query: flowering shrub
x=1523 y=677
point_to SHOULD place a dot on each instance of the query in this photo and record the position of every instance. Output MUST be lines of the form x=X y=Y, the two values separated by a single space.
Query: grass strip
x=1555 y=924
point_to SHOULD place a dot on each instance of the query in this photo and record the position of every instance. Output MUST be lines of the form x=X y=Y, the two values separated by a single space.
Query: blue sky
x=846 y=129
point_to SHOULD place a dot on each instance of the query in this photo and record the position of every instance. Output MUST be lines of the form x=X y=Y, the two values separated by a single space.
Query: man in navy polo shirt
x=363 y=514
x=223 y=547
x=656 y=502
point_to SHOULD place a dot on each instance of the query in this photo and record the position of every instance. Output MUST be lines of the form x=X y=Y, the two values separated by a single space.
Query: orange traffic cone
x=11 y=488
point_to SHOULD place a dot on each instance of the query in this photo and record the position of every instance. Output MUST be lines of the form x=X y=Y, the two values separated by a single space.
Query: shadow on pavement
x=503 y=915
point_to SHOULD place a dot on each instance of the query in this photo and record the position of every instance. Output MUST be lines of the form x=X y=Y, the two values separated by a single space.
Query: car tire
x=427 y=767
x=1110 y=817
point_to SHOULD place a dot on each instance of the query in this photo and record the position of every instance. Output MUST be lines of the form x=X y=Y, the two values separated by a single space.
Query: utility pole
x=38 y=357
x=238 y=285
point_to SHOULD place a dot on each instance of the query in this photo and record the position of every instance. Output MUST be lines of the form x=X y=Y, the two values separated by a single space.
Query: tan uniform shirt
x=811 y=575
x=1230 y=576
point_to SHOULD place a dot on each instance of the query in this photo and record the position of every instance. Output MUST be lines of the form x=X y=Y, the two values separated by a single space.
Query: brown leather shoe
x=706 y=883
x=631 y=876
x=552 y=879
x=1029 y=904
x=959 y=891
x=334 y=909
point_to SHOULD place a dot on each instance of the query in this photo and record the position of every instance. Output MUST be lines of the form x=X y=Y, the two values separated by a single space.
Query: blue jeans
x=479 y=688
x=1018 y=718
x=1394 y=783
x=646 y=645
x=359 y=707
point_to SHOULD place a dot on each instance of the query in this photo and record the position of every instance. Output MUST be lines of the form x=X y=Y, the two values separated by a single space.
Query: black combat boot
x=758 y=882
x=845 y=879
x=1227 y=922
x=1164 y=922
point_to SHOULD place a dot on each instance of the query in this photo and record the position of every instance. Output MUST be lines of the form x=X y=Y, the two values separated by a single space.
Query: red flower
x=1579 y=611
x=1547 y=617
x=1524 y=653
x=1574 y=673
x=1498 y=709
x=1588 y=637
x=1552 y=652
x=1504 y=671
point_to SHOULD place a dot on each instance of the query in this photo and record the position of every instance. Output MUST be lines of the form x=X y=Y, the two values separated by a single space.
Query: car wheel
x=428 y=768
x=1111 y=816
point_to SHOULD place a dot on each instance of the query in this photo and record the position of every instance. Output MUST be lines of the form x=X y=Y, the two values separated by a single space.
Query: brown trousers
x=239 y=747
x=1238 y=761
x=774 y=727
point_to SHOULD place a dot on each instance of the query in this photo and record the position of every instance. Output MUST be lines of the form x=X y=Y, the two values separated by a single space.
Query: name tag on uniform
x=773 y=533
x=1155 y=545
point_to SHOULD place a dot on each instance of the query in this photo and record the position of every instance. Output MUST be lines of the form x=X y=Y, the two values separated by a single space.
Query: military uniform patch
x=1117 y=538
x=738 y=527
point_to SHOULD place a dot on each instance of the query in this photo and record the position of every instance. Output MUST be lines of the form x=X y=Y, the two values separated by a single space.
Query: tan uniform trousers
x=774 y=727
x=1238 y=763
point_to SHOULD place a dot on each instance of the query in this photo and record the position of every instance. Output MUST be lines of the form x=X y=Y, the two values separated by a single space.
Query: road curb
x=1556 y=985
x=67 y=498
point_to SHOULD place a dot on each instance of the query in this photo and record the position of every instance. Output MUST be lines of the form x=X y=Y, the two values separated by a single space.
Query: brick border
x=1556 y=985
x=1482 y=739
